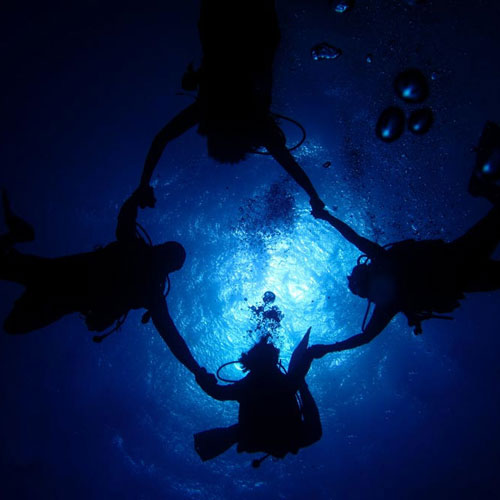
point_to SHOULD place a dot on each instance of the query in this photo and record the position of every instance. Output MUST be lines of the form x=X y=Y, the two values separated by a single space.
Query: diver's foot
x=20 y=231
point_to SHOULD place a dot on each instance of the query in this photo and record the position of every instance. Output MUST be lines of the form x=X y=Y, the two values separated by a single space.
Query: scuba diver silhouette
x=234 y=86
x=422 y=278
x=103 y=285
x=270 y=419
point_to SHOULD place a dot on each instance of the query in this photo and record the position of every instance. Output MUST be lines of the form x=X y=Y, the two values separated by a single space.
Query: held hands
x=145 y=196
x=318 y=210
x=318 y=351
x=205 y=379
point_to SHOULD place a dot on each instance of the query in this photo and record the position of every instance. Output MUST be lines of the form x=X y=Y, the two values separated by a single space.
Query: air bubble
x=390 y=124
x=325 y=51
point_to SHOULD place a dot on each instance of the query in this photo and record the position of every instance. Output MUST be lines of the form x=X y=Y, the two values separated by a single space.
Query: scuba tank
x=423 y=309
x=93 y=324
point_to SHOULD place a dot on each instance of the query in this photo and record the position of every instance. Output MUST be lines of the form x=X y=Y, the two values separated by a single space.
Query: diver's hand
x=145 y=196
x=205 y=379
x=318 y=209
x=318 y=350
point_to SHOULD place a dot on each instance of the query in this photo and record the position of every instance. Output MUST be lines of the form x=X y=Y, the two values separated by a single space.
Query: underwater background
x=85 y=86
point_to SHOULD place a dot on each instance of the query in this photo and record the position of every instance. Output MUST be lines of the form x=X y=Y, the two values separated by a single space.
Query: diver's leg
x=274 y=142
x=481 y=240
x=311 y=422
x=21 y=268
x=33 y=311
x=486 y=279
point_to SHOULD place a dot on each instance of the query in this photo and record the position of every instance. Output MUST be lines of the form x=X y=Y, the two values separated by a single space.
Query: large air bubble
x=411 y=86
x=390 y=124
x=420 y=121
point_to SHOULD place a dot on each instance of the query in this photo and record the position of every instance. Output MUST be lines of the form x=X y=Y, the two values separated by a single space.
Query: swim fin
x=299 y=363
x=19 y=230
x=212 y=443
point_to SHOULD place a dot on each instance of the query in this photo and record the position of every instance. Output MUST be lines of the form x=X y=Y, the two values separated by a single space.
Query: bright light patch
x=297 y=292
x=305 y=265
x=407 y=92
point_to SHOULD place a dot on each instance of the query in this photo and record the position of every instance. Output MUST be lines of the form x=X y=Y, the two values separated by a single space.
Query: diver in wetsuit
x=103 y=285
x=270 y=420
x=234 y=84
x=422 y=278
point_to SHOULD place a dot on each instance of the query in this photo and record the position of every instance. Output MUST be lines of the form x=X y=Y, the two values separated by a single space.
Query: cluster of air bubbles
x=266 y=316
x=324 y=51
x=341 y=6
x=411 y=86
x=266 y=215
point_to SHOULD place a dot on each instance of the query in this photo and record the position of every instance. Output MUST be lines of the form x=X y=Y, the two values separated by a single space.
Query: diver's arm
x=366 y=246
x=275 y=144
x=380 y=319
x=169 y=333
x=126 y=226
x=181 y=123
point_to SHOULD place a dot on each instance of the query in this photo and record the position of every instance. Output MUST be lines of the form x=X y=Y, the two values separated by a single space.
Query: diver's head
x=359 y=280
x=263 y=356
x=170 y=256
x=232 y=124
x=230 y=140
x=227 y=148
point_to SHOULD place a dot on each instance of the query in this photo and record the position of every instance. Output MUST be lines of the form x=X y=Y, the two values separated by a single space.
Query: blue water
x=85 y=89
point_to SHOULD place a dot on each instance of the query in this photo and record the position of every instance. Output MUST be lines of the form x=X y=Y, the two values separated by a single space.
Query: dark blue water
x=85 y=87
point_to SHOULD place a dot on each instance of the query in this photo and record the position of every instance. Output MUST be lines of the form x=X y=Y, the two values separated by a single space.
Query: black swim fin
x=212 y=443
x=299 y=363
x=19 y=230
